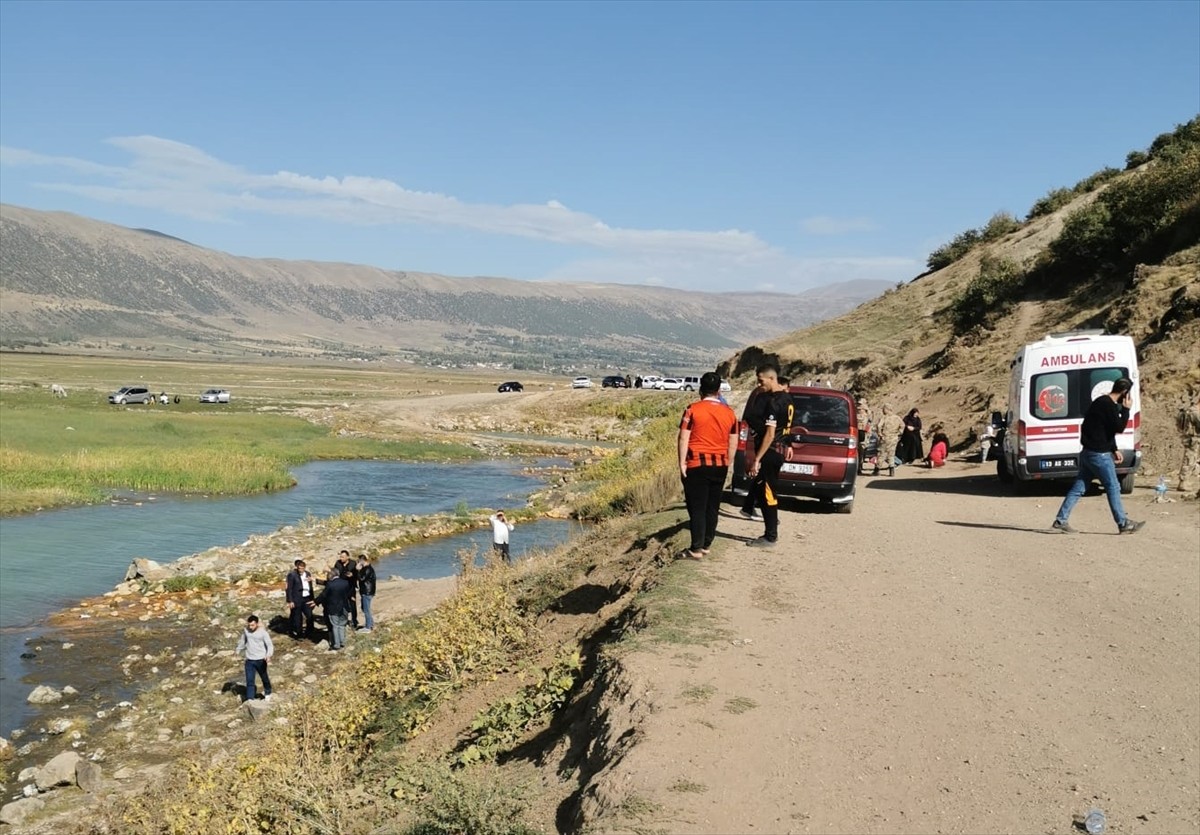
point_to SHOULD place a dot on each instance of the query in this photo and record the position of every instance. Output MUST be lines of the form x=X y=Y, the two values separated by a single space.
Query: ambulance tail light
x=1022 y=431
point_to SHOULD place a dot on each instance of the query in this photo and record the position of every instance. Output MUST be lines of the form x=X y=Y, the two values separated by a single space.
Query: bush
x=1052 y=202
x=988 y=295
x=1135 y=158
x=1001 y=224
x=189 y=582
x=946 y=255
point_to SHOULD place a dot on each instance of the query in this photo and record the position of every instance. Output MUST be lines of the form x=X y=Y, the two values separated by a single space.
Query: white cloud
x=825 y=225
x=172 y=177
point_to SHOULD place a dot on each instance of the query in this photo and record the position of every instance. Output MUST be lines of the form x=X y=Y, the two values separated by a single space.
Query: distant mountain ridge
x=70 y=281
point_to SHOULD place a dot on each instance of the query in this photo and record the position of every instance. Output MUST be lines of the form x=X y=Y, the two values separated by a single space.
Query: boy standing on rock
x=256 y=644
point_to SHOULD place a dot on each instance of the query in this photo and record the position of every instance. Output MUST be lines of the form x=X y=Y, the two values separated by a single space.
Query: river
x=51 y=559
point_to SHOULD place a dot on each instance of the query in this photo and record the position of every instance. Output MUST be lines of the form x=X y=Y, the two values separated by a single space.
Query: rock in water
x=44 y=694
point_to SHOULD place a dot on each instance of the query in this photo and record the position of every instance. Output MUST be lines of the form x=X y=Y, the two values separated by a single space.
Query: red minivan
x=820 y=448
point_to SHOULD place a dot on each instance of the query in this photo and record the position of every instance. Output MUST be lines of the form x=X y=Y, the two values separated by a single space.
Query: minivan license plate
x=800 y=469
x=1058 y=463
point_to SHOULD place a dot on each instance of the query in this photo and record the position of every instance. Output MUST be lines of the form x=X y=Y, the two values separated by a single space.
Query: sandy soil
x=935 y=662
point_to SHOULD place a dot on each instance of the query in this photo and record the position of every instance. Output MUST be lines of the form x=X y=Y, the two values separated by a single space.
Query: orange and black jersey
x=710 y=423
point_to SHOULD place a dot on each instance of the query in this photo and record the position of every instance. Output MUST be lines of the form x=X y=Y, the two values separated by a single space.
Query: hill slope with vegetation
x=1119 y=251
x=74 y=283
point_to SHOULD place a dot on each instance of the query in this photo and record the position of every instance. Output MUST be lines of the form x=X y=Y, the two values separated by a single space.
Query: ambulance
x=1052 y=384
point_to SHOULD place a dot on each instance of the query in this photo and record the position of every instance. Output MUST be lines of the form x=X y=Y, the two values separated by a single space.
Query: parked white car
x=651 y=381
x=670 y=384
x=725 y=387
x=581 y=383
x=215 y=396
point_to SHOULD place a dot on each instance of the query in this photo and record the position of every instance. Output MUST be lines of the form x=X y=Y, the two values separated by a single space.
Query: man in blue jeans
x=1105 y=419
x=256 y=644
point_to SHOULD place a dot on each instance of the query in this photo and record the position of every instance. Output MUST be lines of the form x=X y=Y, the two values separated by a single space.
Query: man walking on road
x=772 y=419
x=1106 y=418
x=707 y=441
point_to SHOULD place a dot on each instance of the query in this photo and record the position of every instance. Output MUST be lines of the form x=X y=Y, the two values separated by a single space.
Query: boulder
x=257 y=709
x=60 y=771
x=88 y=776
x=27 y=774
x=6 y=749
x=44 y=694
x=148 y=570
x=15 y=813
x=59 y=726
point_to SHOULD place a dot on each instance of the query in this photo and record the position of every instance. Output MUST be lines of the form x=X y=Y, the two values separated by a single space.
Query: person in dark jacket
x=346 y=565
x=301 y=600
x=366 y=590
x=772 y=419
x=1104 y=420
x=337 y=608
x=911 y=448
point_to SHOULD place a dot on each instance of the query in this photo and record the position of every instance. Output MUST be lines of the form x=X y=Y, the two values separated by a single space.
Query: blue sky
x=713 y=146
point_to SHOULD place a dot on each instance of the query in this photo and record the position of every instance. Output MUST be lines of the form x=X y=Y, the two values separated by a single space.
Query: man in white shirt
x=501 y=528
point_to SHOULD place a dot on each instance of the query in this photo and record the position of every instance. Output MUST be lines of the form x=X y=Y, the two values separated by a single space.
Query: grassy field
x=55 y=451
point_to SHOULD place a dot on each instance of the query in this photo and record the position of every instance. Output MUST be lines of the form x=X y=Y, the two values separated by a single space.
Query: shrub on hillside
x=946 y=255
x=988 y=295
x=1054 y=200
x=1001 y=224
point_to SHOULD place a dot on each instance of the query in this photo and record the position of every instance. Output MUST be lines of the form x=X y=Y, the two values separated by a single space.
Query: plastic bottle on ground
x=1095 y=822
x=1160 y=489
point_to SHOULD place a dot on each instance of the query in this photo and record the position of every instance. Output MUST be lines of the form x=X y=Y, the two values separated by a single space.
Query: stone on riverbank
x=89 y=776
x=148 y=570
x=60 y=771
x=6 y=749
x=15 y=813
x=44 y=694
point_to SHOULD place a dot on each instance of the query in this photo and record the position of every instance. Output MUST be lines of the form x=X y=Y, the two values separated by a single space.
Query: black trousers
x=502 y=549
x=766 y=483
x=352 y=610
x=702 y=493
x=302 y=619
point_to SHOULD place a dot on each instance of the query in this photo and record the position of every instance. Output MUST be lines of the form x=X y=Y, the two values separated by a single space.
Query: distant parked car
x=581 y=383
x=131 y=394
x=215 y=396
x=511 y=385
x=651 y=381
x=725 y=387
x=614 y=381
x=690 y=383
x=670 y=384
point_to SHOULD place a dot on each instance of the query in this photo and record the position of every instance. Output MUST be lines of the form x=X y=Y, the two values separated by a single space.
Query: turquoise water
x=51 y=559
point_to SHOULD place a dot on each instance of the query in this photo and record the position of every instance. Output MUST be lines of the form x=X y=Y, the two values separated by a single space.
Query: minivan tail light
x=1022 y=429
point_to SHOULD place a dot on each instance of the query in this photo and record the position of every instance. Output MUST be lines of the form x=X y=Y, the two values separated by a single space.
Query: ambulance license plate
x=1058 y=463
x=800 y=469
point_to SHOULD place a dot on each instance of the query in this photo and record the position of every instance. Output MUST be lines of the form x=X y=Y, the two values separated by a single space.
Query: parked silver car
x=215 y=396
x=131 y=394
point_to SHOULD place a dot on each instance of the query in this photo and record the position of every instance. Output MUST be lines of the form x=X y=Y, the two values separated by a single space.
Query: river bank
x=136 y=675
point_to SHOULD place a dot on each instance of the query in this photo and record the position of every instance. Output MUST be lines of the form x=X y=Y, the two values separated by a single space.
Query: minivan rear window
x=821 y=413
x=1065 y=395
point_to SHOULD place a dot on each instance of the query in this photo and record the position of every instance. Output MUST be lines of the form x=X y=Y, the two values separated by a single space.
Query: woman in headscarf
x=911 y=448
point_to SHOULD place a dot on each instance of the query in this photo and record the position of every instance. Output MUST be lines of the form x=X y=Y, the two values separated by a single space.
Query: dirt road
x=936 y=661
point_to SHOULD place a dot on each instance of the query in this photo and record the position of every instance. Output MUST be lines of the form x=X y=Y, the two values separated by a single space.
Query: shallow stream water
x=51 y=559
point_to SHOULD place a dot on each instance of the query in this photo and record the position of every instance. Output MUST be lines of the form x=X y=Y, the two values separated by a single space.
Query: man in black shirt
x=1105 y=419
x=771 y=419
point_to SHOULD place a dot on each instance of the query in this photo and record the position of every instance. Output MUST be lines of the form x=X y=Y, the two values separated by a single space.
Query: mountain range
x=73 y=283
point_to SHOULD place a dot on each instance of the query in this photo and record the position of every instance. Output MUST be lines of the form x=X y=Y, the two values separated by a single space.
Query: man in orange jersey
x=708 y=436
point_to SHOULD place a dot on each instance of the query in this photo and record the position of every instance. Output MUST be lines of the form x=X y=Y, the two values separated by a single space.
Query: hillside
x=944 y=340
x=71 y=282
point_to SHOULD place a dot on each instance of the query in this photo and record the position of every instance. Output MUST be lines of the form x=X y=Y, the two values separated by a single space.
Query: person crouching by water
x=708 y=436
x=256 y=644
x=501 y=528
x=301 y=600
x=337 y=608
x=366 y=590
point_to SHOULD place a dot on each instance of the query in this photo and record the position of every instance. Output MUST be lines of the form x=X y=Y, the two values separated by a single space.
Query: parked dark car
x=512 y=385
x=614 y=381
x=820 y=448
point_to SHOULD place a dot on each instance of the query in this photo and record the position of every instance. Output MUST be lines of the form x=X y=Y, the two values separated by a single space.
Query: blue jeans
x=365 y=599
x=337 y=630
x=259 y=666
x=1098 y=465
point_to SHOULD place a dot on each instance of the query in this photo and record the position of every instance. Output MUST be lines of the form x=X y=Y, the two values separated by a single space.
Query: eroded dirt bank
x=935 y=662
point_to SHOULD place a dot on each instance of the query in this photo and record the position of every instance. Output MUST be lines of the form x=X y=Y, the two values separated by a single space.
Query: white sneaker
x=267 y=697
x=366 y=630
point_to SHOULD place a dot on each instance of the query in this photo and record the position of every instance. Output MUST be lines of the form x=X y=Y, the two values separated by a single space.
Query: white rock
x=69 y=691
x=67 y=645
x=27 y=774
x=59 y=726
x=44 y=694
x=29 y=790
